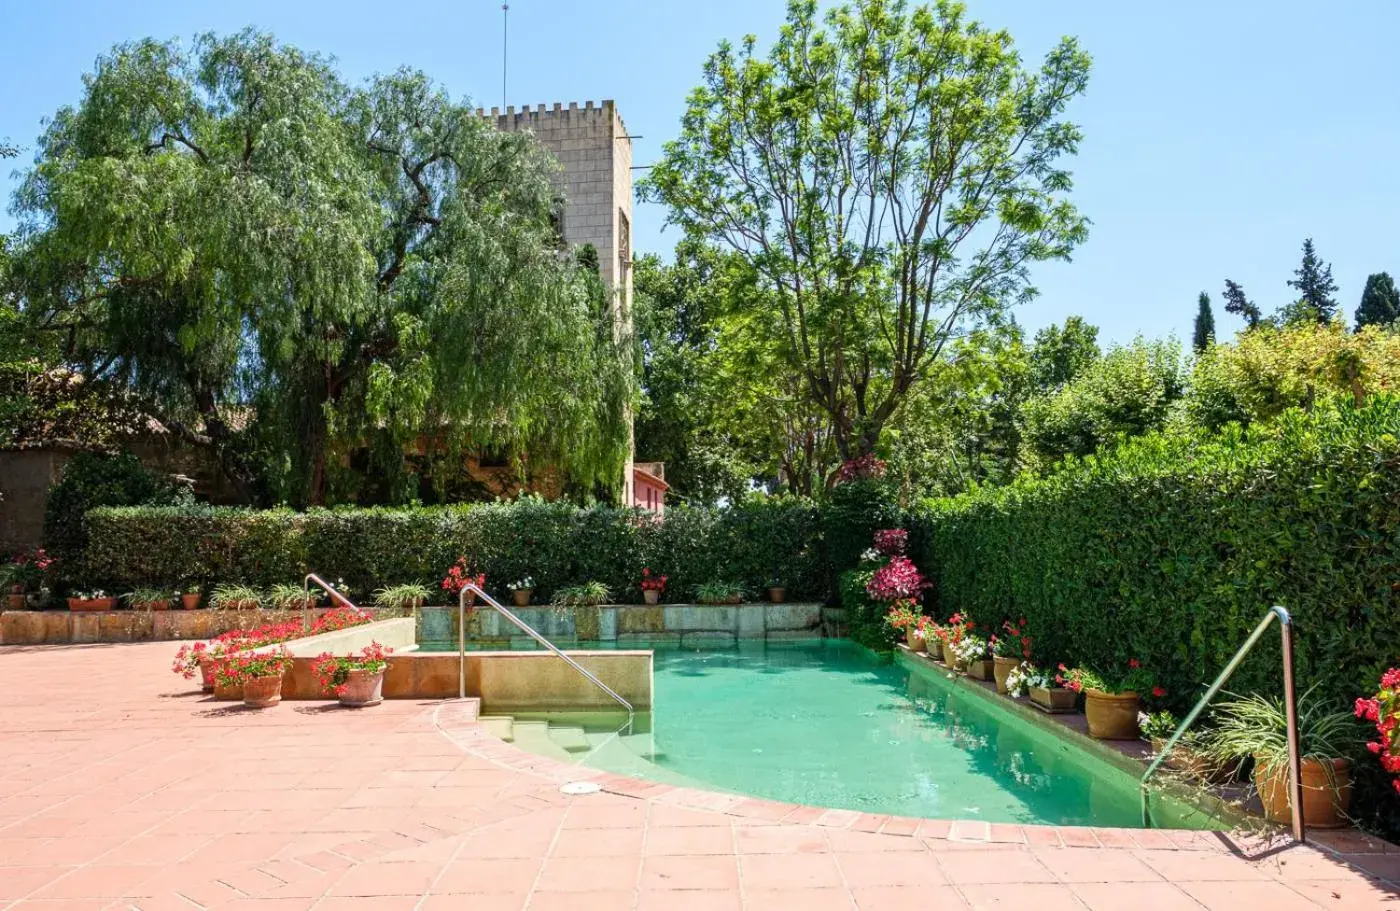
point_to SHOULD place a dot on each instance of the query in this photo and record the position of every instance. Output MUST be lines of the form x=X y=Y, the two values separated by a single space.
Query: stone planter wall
x=628 y=624
x=61 y=627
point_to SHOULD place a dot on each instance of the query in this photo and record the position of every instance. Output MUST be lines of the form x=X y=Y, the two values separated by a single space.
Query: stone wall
x=628 y=624
x=61 y=627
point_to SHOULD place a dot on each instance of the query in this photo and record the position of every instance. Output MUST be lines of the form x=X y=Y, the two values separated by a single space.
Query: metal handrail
x=330 y=589
x=527 y=630
x=1290 y=700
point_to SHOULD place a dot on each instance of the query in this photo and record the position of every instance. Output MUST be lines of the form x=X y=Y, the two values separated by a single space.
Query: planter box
x=980 y=669
x=87 y=604
x=1054 y=702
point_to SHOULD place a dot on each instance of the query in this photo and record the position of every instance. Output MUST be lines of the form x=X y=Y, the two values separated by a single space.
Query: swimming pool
x=826 y=723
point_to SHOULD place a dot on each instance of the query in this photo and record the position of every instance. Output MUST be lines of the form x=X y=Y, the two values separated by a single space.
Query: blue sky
x=1218 y=135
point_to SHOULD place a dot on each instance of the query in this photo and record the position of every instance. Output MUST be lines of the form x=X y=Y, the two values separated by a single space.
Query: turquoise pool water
x=828 y=724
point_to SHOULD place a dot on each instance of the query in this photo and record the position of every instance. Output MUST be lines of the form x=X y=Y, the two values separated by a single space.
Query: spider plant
x=146 y=598
x=236 y=597
x=1258 y=726
x=585 y=595
x=287 y=596
x=401 y=597
x=719 y=592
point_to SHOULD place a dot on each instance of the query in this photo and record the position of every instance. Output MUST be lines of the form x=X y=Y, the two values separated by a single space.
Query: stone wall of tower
x=595 y=152
x=592 y=146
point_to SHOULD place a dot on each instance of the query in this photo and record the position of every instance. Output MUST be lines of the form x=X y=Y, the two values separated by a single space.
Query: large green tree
x=1380 y=302
x=888 y=174
x=286 y=269
x=1060 y=353
x=1203 y=332
x=1317 y=291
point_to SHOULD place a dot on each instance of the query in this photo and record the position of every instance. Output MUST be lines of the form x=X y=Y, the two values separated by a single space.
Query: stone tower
x=592 y=146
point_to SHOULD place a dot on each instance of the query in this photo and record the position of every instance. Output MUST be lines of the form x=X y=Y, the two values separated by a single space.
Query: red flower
x=1374 y=746
x=1133 y=663
x=1158 y=692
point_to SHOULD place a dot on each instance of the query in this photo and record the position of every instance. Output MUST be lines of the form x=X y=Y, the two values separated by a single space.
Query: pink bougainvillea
x=860 y=469
x=1383 y=710
x=891 y=541
x=897 y=580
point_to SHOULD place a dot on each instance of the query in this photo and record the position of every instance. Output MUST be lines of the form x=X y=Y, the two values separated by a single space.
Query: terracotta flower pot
x=206 y=674
x=1326 y=792
x=521 y=596
x=651 y=595
x=190 y=600
x=777 y=594
x=363 y=688
x=1001 y=669
x=90 y=604
x=1054 y=701
x=1112 y=716
x=914 y=639
x=981 y=669
x=262 y=692
x=163 y=604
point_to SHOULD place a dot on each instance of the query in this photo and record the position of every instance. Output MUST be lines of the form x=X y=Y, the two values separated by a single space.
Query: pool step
x=569 y=737
x=533 y=737
x=501 y=727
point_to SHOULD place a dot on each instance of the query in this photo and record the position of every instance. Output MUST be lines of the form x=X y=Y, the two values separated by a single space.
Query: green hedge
x=556 y=543
x=1170 y=550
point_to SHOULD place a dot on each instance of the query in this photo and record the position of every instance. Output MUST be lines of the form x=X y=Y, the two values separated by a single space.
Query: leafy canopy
x=888 y=174
x=288 y=270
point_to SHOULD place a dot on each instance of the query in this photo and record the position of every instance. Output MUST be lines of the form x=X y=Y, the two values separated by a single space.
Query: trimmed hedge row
x=555 y=543
x=1170 y=550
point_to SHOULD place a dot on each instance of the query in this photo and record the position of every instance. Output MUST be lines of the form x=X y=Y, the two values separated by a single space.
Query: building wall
x=25 y=476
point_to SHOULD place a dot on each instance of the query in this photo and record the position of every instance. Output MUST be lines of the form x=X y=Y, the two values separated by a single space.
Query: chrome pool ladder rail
x=527 y=630
x=1290 y=700
x=329 y=589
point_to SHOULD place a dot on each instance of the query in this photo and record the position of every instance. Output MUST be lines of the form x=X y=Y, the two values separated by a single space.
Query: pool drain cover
x=581 y=787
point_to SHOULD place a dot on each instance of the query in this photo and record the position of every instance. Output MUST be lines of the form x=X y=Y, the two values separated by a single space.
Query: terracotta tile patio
x=123 y=787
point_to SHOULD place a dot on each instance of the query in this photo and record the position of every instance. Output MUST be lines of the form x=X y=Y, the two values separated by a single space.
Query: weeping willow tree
x=286 y=269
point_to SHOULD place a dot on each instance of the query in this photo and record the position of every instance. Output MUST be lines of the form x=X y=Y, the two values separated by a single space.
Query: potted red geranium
x=1008 y=650
x=1111 y=704
x=25 y=571
x=459 y=576
x=258 y=672
x=903 y=618
x=357 y=680
x=651 y=586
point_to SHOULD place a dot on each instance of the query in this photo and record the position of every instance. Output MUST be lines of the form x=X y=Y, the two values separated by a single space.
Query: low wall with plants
x=752 y=543
x=1169 y=551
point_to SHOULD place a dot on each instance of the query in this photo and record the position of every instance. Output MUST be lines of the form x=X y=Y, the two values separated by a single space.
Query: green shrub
x=1170 y=549
x=556 y=543
x=865 y=618
x=91 y=480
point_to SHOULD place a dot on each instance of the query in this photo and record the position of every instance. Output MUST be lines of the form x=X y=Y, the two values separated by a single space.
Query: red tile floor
x=121 y=786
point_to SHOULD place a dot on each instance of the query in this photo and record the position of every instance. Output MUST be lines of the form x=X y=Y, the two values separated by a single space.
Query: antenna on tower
x=505 y=32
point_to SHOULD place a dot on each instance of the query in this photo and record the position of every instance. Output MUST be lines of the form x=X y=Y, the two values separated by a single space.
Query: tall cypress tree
x=1380 y=302
x=1315 y=289
x=1204 y=336
x=1241 y=306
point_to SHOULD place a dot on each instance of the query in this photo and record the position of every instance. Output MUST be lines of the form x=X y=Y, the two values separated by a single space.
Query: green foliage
x=401 y=597
x=1257 y=726
x=1272 y=369
x=888 y=175
x=865 y=617
x=556 y=543
x=1061 y=354
x=720 y=592
x=586 y=594
x=1237 y=303
x=1380 y=302
x=1203 y=333
x=228 y=596
x=288 y=270
x=1170 y=548
x=852 y=513
x=91 y=480
x=1127 y=393
x=1316 y=290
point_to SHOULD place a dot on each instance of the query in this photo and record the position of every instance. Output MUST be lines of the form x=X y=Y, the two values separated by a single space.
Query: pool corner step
x=569 y=737
x=502 y=727
x=533 y=737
